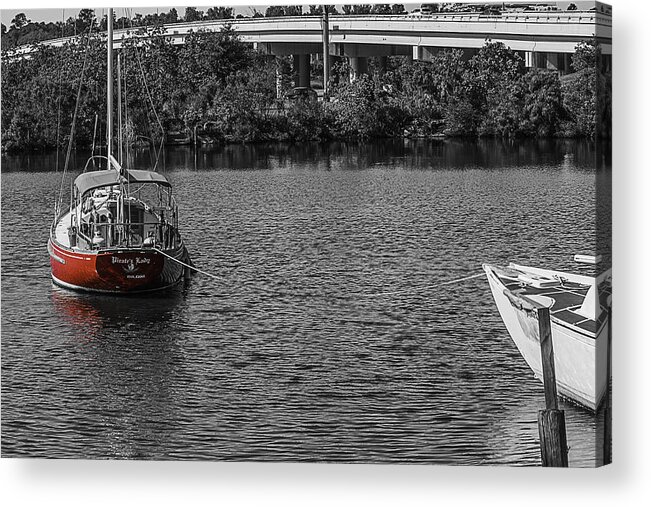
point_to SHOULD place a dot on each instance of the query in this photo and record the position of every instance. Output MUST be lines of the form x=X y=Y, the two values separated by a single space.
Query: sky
x=68 y=9
x=37 y=11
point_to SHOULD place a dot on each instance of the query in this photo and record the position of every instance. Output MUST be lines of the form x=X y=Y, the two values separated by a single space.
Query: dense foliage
x=217 y=81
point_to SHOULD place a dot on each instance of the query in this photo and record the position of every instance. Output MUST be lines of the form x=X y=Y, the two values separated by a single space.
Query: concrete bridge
x=544 y=39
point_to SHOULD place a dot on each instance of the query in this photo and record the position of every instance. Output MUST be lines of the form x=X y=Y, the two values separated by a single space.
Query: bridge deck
x=553 y=31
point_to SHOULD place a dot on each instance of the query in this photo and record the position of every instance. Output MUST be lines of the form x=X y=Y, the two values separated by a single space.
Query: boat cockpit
x=120 y=209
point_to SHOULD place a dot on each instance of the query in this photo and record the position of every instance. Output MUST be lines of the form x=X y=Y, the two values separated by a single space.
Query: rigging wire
x=74 y=117
x=149 y=97
x=59 y=100
x=151 y=102
x=56 y=166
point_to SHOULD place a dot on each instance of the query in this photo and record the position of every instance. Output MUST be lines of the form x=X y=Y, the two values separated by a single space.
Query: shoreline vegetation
x=217 y=87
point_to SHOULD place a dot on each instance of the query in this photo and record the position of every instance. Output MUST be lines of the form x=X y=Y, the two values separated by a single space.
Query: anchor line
x=376 y=294
x=194 y=268
x=449 y=282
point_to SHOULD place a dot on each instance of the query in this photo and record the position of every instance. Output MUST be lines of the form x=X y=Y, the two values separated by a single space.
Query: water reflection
x=411 y=153
x=89 y=314
x=128 y=400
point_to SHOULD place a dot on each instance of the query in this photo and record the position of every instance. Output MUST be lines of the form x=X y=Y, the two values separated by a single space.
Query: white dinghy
x=579 y=309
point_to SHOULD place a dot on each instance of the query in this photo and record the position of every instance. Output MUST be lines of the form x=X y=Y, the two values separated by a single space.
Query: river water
x=326 y=336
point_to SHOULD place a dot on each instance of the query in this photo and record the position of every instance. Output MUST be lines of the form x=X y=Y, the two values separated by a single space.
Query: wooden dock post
x=551 y=420
x=547 y=357
x=553 y=439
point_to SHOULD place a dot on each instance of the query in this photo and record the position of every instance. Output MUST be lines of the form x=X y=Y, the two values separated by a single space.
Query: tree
x=355 y=109
x=294 y=10
x=207 y=58
x=307 y=120
x=586 y=55
x=317 y=10
x=542 y=103
x=85 y=19
x=480 y=102
x=381 y=9
x=274 y=11
x=448 y=74
x=102 y=24
x=137 y=20
x=192 y=14
x=219 y=13
x=171 y=17
x=398 y=9
x=285 y=10
x=492 y=66
x=20 y=21
x=123 y=22
x=362 y=9
x=240 y=107
x=584 y=93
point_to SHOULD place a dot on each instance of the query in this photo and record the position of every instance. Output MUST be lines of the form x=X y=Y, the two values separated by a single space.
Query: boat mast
x=326 y=52
x=119 y=110
x=109 y=86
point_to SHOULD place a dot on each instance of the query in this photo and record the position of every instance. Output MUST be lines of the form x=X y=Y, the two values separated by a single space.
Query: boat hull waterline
x=579 y=356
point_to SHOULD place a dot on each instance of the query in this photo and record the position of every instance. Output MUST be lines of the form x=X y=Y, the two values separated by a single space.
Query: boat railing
x=102 y=235
x=93 y=159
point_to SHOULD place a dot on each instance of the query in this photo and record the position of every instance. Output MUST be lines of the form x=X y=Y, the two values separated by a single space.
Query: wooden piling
x=547 y=357
x=553 y=439
x=551 y=421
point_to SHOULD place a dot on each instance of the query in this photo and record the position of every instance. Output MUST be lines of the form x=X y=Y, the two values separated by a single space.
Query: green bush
x=216 y=78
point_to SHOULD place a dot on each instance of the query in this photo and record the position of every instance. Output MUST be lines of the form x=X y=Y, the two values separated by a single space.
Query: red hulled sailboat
x=120 y=234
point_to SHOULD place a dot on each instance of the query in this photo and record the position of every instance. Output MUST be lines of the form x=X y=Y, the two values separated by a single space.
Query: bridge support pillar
x=528 y=59
x=562 y=62
x=550 y=61
x=358 y=65
x=416 y=53
x=535 y=60
x=302 y=71
x=553 y=61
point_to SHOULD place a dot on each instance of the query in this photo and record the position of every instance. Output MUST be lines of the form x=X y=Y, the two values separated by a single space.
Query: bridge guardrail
x=343 y=22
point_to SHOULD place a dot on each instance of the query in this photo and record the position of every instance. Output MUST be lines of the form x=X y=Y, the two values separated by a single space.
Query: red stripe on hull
x=116 y=271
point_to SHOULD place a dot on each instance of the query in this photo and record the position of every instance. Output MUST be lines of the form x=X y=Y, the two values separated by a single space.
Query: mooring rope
x=375 y=294
x=423 y=287
x=194 y=268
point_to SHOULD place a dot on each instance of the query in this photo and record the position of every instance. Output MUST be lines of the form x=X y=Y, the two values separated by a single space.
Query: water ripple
x=288 y=357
